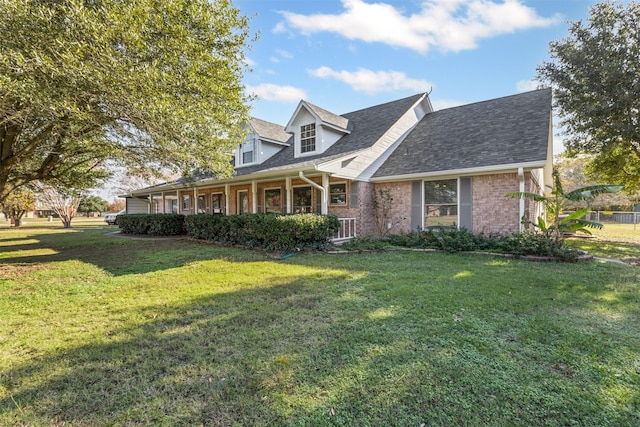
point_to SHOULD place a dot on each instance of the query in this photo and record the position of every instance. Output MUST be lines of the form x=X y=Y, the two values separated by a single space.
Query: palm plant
x=557 y=224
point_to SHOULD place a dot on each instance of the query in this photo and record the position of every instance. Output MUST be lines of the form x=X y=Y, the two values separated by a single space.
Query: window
x=272 y=200
x=338 y=194
x=248 y=151
x=217 y=204
x=243 y=202
x=201 y=204
x=302 y=200
x=173 y=206
x=186 y=202
x=441 y=203
x=308 y=138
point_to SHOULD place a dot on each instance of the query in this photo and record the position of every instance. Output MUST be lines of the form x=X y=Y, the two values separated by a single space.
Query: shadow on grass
x=116 y=255
x=339 y=350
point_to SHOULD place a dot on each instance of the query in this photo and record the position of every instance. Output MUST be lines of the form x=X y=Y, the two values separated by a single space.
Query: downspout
x=521 y=182
x=324 y=209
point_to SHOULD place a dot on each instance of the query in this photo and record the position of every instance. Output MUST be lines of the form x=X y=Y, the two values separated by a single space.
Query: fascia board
x=483 y=170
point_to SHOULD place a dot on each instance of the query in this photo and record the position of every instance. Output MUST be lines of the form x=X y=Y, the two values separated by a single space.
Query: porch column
x=287 y=191
x=164 y=203
x=194 y=209
x=179 y=204
x=325 y=194
x=254 y=197
x=226 y=198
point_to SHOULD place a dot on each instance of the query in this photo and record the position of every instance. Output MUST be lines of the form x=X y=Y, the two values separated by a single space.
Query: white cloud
x=372 y=82
x=272 y=92
x=527 y=85
x=448 y=25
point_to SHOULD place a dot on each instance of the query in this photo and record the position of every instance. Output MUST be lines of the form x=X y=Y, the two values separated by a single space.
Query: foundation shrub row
x=274 y=232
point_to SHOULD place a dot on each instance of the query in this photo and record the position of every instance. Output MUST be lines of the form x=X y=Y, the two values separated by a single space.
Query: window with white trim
x=248 y=151
x=338 y=194
x=441 y=203
x=273 y=200
x=308 y=138
x=302 y=200
x=217 y=203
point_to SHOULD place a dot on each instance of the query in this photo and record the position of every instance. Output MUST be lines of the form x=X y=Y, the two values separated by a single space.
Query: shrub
x=273 y=232
x=152 y=224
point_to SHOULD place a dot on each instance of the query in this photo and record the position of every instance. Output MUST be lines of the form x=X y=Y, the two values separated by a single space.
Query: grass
x=613 y=241
x=100 y=330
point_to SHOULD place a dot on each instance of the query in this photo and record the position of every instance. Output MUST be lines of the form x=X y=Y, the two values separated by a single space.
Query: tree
x=145 y=84
x=92 y=204
x=19 y=202
x=573 y=175
x=117 y=205
x=595 y=73
x=64 y=202
x=556 y=224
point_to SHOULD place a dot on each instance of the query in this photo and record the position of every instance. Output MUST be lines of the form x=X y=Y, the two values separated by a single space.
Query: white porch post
x=287 y=187
x=325 y=194
x=226 y=199
x=194 y=209
x=521 y=189
x=254 y=197
x=164 y=203
x=179 y=204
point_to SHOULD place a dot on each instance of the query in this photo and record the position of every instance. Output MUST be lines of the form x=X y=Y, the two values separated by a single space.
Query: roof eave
x=481 y=170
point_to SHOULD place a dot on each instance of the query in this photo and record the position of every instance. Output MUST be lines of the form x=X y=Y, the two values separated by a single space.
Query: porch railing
x=347 y=229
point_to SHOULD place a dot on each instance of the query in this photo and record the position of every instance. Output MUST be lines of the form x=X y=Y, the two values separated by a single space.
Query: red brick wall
x=400 y=214
x=492 y=211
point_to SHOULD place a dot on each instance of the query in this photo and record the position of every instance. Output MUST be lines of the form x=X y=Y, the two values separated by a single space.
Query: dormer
x=263 y=140
x=315 y=129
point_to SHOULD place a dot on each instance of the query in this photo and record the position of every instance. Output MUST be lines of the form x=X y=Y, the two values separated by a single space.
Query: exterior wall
x=137 y=206
x=399 y=219
x=492 y=211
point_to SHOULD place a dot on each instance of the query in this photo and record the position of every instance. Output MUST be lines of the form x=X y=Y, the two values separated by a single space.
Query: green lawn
x=102 y=330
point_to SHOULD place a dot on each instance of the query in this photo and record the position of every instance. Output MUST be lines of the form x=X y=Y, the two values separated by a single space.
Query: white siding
x=137 y=206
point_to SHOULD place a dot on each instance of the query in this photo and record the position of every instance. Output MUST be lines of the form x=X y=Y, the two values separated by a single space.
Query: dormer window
x=247 y=151
x=308 y=138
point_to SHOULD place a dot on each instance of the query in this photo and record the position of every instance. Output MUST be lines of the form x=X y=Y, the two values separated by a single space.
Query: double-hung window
x=441 y=203
x=308 y=138
x=248 y=151
x=338 y=194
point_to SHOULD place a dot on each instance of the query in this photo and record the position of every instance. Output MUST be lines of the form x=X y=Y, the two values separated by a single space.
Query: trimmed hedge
x=274 y=232
x=152 y=224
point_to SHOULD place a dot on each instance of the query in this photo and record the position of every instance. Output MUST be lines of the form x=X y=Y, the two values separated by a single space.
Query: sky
x=344 y=55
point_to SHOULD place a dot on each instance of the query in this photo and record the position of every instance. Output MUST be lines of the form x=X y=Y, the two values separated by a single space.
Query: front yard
x=97 y=330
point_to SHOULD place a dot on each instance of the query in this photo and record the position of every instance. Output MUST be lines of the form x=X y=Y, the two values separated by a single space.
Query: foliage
x=594 y=73
x=152 y=224
x=557 y=225
x=366 y=243
x=63 y=201
x=146 y=84
x=454 y=240
x=103 y=331
x=92 y=204
x=19 y=202
x=273 y=232
x=574 y=173
x=381 y=205
x=116 y=205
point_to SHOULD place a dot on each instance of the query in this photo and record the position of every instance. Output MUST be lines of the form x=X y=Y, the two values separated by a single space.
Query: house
x=447 y=167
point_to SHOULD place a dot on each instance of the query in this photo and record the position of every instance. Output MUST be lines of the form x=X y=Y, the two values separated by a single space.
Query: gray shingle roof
x=329 y=117
x=509 y=130
x=366 y=125
x=268 y=130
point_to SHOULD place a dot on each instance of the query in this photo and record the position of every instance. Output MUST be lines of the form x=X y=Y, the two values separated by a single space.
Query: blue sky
x=343 y=55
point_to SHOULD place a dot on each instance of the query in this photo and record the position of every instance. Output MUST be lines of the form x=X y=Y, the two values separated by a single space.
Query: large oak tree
x=595 y=73
x=142 y=83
